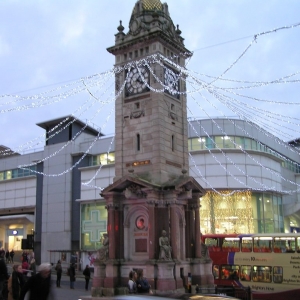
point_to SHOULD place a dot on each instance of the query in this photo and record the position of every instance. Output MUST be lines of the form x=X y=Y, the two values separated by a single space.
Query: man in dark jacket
x=3 y=274
x=38 y=285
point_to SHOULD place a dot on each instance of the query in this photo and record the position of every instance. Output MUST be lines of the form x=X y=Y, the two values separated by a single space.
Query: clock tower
x=153 y=204
x=151 y=117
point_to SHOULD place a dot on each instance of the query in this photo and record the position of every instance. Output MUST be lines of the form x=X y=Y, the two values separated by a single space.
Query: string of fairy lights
x=102 y=91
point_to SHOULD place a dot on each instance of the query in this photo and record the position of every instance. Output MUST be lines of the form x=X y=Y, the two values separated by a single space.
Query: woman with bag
x=87 y=275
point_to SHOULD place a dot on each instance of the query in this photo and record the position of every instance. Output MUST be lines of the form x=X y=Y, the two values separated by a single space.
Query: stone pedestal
x=99 y=276
x=165 y=277
x=201 y=270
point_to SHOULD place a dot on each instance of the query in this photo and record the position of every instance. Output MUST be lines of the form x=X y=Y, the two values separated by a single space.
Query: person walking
x=39 y=285
x=87 y=276
x=3 y=274
x=12 y=254
x=58 y=270
x=72 y=274
x=15 y=283
x=7 y=257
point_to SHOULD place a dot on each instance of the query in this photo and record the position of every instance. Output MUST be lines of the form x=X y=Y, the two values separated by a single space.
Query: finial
x=178 y=31
x=120 y=27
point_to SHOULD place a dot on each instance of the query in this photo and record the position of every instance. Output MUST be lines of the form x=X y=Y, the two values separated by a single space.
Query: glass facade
x=17 y=173
x=93 y=225
x=241 y=212
x=102 y=159
x=236 y=142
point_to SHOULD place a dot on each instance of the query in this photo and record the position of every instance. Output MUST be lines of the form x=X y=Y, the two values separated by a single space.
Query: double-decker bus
x=267 y=263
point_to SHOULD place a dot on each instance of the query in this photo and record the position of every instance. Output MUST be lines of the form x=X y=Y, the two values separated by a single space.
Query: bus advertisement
x=267 y=263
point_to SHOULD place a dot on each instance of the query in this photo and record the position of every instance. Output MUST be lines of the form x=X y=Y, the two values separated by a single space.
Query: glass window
x=8 y=174
x=231 y=244
x=219 y=142
x=298 y=244
x=212 y=244
x=284 y=245
x=210 y=143
x=262 y=274
x=15 y=173
x=231 y=272
x=228 y=142
x=245 y=273
x=239 y=142
x=103 y=159
x=93 y=225
x=196 y=144
x=246 y=244
x=262 y=244
x=278 y=274
x=254 y=145
x=1 y=175
x=216 y=271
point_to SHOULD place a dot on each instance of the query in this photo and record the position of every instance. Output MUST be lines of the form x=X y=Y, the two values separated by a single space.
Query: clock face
x=137 y=81
x=171 y=82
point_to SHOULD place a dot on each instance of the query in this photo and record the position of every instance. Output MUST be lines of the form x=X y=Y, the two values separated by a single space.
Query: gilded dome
x=152 y=5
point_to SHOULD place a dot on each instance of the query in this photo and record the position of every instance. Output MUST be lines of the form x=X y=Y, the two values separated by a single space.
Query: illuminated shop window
x=93 y=225
x=103 y=159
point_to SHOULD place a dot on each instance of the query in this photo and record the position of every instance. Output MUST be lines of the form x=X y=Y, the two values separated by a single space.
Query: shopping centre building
x=55 y=193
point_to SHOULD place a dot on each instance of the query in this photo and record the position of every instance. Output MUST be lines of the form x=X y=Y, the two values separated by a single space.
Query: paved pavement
x=65 y=293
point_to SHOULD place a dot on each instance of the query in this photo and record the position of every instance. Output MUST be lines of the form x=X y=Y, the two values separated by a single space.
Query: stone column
x=197 y=232
x=111 y=230
x=174 y=233
x=151 y=224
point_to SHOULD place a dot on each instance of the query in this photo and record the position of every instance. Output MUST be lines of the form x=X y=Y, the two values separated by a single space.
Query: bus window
x=231 y=244
x=284 y=245
x=212 y=244
x=216 y=271
x=230 y=272
x=262 y=274
x=245 y=273
x=246 y=244
x=298 y=244
x=277 y=274
x=262 y=244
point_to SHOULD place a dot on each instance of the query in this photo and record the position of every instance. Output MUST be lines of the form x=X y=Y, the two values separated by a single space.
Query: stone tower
x=152 y=191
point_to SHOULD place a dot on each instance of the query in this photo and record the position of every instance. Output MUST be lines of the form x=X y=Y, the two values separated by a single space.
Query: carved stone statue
x=204 y=252
x=103 y=251
x=164 y=247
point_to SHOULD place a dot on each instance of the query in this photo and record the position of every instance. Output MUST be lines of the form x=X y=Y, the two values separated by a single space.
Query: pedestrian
x=12 y=254
x=132 y=282
x=87 y=276
x=39 y=285
x=15 y=283
x=7 y=256
x=3 y=274
x=142 y=283
x=72 y=274
x=32 y=266
x=58 y=270
x=25 y=267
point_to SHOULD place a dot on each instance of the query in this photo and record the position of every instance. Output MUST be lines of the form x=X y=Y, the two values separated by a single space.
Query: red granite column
x=151 y=225
x=197 y=232
x=111 y=231
x=174 y=233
